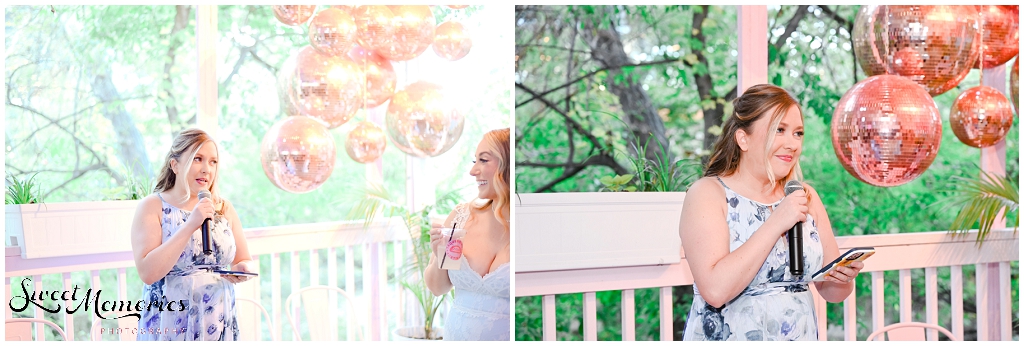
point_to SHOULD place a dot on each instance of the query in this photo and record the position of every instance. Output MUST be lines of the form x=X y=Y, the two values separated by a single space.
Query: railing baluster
x=850 y=314
x=296 y=278
x=1004 y=296
x=931 y=284
x=8 y=314
x=956 y=303
x=819 y=313
x=367 y=293
x=399 y=290
x=589 y=316
x=906 y=299
x=382 y=289
x=95 y=275
x=548 y=318
x=628 y=315
x=666 y=313
x=122 y=295
x=877 y=300
x=275 y=294
x=981 y=302
x=350 y=287
x=69 y=319
x=332 y=280
x=37 y=281
x=314 y=267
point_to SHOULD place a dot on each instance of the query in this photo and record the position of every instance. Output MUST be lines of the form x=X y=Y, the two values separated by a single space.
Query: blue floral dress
x=209 y=299
x=774 y=306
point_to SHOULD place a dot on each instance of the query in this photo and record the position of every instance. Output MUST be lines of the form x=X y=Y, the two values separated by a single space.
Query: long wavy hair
x=758 y=101
x=183 y=149
x=497 y=142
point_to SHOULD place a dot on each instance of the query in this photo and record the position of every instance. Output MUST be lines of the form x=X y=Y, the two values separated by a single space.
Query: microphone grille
x=793 y=186
x=206 y=193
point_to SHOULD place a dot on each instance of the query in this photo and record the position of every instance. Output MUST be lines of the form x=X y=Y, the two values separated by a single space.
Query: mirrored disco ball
x=451 y=41
x=1000 y=35
x=293 y=15
x=1015 y=84
x=332 y=32
x=329 y=89
x=283 y=79
x=981 y=116
x=412 y=31
x=298 y=154
x=373 y=26
x=934 y=46
x=380 y=76
x=366 y=142
x=422 y=121
x=886 y=130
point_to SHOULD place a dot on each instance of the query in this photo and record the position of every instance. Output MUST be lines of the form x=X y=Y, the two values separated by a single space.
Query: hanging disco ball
x=332 y=32
x=421 y=121
x=457 y=7
x=283 y=78
x=412 y=31
x=1000 y=35
x=981 y=116
x=298 y=154
x=366 y=142
x=1015 y=84
x=293 y=15
x=329 y=89
x=451 y=41
x=886 y=130
x=380 y=76
x=934 y=46
x=373 y=26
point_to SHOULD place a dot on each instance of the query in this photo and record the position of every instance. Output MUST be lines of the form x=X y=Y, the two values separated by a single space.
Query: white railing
x=902 y=252
x=380 y=298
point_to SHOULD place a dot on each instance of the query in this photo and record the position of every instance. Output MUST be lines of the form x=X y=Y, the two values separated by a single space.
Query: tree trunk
x=642 y=118
x=705 y=87
x=181 y=18
x=131 y=148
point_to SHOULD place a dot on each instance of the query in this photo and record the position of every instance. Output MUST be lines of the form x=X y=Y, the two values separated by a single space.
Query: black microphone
x=795 y=237
x=206 y=226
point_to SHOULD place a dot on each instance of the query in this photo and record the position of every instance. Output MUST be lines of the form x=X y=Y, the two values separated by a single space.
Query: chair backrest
x=126 y=325
x=249 y=333
x=909 y=331
x=319 y=312
x=20 y=329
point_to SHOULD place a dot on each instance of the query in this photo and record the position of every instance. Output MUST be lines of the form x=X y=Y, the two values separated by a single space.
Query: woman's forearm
x=834 y=292
x=158 y=262
x=734 y=272
x=436 y=279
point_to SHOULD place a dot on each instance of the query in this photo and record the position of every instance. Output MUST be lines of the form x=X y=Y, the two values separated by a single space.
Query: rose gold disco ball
x=298 y=154
x=422 y=121
x=935 y=46
x=886 y=130
x=332 y=32
x=451 y=41
x=347 y=8
x=1000 y=35
x=1015 y=84
x=366 y=142
x=981 y=116
x=412 y=32
x=457 y=7
x=293 y=15
x=380 y=76
x=329 y=89
x=373 y=26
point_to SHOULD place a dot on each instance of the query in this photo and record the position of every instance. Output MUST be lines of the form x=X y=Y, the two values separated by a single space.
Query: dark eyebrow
x=787 y=125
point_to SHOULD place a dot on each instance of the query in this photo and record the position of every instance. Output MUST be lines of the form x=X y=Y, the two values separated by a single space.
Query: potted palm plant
x=376 y=200
x=982 y=200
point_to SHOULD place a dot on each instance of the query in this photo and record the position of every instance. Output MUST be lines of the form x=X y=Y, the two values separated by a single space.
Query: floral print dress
x=774 y=306
x=209 y=299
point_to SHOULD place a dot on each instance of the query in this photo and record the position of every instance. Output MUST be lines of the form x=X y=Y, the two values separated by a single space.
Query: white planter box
x=562 y=231
x=66 y=229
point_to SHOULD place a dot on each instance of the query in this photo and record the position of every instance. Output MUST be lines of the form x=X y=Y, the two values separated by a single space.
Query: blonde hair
x=497 y=142
x=757 y=101
x=185 y=146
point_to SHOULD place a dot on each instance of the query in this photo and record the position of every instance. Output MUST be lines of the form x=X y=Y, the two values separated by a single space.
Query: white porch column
x=993 y=161
x=752 y=65
x=206 y=69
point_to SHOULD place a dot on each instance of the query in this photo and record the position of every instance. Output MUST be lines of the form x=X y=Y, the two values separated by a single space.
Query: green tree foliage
x=579 y=118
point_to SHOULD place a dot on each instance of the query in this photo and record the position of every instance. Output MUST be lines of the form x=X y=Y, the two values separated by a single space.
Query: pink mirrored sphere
x=366 y=142
x=981 y=116
x=298 y=154
x=886 y=130
x=422 y=121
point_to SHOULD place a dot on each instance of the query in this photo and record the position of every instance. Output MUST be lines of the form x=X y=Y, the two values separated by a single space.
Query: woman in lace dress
x=482 y=285
x=194 y=303
x=737 y=216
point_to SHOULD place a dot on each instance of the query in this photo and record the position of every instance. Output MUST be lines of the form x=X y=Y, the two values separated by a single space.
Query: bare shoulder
x=815 y=199
x=150 y=204
x=706 y=188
